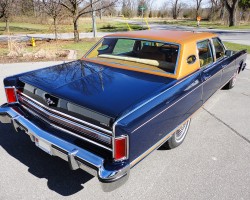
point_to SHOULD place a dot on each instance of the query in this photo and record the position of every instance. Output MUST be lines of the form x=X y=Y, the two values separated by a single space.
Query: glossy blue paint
x=211 y=76
x=147 y=125
x=103 y=89
x=161 y=103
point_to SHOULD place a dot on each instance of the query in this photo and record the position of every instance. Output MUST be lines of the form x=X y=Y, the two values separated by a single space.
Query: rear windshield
x=142 y=53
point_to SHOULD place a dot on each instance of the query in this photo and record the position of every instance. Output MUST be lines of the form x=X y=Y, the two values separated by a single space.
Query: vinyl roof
x=179 y=37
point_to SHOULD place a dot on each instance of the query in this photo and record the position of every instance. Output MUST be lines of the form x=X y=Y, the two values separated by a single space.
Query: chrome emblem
x=50 y=102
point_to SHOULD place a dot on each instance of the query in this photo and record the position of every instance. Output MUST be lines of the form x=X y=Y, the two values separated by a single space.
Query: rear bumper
x=110 y=177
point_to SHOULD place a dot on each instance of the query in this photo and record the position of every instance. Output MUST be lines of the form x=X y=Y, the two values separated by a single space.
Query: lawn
x=48 y=46
x=85 y=25
x=81 y=48
x=203 y=24
x=237 y=47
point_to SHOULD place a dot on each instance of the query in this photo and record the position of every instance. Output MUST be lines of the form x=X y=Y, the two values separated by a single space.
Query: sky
x=159 y=3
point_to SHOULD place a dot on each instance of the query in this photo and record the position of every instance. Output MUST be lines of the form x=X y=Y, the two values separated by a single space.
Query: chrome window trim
x=211 y=51
x=63 y=114
x=189 y=57
x=222 y=57
x=142 y=39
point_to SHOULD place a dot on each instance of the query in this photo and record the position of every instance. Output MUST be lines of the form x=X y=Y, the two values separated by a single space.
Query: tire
x=231 y=83
x=178 y=137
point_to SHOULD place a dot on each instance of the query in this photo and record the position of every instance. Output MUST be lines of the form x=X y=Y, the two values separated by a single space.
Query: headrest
x=149 y=49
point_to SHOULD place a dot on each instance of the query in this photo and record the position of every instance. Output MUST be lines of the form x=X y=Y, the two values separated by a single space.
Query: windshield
x=142 y=52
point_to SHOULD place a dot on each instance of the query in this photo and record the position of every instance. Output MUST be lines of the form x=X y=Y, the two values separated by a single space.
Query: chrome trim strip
x=76 y=119
x=86 y=139
x=177 y=101
x=166 y=108
x=110 y=178
x=97 y=135
x=139 y=158
x=69 y=132
x=155 y=146
x=122 y=117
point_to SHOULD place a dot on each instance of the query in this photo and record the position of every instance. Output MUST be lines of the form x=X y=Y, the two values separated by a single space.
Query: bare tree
x=54 y=9
x=93 y=18
x=231 y=6
x=198 y=6
x=176 y=8
x=78 y=8
x=127 y=8
x=216 y=6
x=6 y=10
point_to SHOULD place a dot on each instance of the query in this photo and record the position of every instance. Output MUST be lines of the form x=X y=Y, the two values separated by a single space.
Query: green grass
x=203 y=24
x=81 y=47
x=85 y=25
x=237 y=47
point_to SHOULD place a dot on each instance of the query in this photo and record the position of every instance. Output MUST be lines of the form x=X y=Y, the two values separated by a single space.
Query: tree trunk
x=232 y=17
x=93 y=20
x=7 y=27
x=231 y=11
x=76 y=33
x=55 y=28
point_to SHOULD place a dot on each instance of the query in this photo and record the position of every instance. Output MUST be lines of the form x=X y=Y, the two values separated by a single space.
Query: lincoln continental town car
x=130 y=94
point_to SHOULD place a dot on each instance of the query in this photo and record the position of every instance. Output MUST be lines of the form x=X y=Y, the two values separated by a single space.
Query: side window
x=205 y=53
x=123 y=46
x=219 y=49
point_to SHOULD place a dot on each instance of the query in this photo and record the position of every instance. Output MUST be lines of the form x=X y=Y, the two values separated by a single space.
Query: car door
x=226 y=63
x=210 y=70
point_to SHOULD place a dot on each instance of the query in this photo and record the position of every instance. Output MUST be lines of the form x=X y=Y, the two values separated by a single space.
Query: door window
x=219 y=48
x=205 y=53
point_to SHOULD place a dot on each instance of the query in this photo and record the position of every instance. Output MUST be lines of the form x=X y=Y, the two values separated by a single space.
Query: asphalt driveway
x=212 y=163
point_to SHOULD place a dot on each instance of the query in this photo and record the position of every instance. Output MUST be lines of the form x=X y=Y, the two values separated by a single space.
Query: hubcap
x=234 y=79
x=181 y=132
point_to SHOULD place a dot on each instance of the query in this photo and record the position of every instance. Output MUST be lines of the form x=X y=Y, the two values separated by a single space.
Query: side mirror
x=229 y=53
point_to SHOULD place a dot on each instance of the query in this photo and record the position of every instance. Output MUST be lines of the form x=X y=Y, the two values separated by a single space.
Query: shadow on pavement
x=60 y=178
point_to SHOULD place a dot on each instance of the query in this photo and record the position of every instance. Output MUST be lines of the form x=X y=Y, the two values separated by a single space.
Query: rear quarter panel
x=156 y=119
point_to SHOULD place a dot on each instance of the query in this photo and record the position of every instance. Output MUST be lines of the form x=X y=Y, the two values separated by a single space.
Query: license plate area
x=43 y=145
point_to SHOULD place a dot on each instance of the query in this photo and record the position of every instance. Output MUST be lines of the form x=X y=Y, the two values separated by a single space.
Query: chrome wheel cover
x=234 y=79
x=181 y=132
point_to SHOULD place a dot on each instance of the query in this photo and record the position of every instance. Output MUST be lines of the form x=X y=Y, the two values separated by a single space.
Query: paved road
x=236 y=36
x=212 y=163
x=65 y=36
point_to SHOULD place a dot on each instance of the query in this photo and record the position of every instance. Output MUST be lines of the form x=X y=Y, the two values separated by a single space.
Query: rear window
x=142 y=52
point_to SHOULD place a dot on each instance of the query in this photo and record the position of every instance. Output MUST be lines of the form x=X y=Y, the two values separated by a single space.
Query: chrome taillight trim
x=68 y=116
x=127 y=148
x=64 y=130
x=15 y=94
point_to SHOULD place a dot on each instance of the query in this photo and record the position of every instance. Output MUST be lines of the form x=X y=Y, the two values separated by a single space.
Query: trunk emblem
x=50 y=100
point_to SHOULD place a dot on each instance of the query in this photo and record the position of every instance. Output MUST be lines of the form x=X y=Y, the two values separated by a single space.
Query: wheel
x=231 y=83
x=178 y=137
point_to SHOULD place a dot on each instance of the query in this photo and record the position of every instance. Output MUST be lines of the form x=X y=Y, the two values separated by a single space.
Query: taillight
x=11 y=94
x=121 y=148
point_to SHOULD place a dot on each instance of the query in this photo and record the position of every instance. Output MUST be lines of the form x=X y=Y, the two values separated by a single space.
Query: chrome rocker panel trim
x=76 y=156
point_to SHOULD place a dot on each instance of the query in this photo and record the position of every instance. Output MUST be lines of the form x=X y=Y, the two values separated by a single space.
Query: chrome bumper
x=76 y=156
